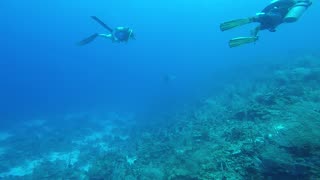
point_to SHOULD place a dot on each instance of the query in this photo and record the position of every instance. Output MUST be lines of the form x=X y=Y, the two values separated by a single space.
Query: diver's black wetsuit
x=122 y=35
x=273 y=14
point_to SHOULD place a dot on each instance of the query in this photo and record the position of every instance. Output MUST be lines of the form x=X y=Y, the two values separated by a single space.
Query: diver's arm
x=109 y=36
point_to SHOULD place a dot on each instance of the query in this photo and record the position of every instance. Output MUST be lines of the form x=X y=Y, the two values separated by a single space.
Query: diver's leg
x=108 y=36
x=102 y=23
x=255 y=31
x=88 y=39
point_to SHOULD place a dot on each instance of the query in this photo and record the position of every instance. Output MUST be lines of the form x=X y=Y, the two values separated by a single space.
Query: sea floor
x=263 y=127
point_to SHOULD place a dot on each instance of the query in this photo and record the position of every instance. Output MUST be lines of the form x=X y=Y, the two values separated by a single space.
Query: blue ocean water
x=44 y=70
x=45 y=75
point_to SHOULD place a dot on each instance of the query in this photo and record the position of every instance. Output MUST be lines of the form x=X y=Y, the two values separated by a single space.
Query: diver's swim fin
x=88 y=39
x=235 y=23
x=102 y=23
x=242 y=40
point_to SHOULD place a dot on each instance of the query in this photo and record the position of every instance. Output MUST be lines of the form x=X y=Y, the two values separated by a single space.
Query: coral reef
x=261 y=127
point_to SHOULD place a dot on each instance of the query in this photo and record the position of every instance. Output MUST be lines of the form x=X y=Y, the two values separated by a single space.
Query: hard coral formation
x=263 y=127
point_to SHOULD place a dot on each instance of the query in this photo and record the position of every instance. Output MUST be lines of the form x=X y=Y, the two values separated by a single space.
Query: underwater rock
x=299 y=73
x=201 y=136
x=181 y=174
x=256 y=113
x=151 y=173
x=180 y=177
x=266 y=99
x=235 y=134
x=276 y=163
x=314 y=75
x=252 y=114
x=240 y=115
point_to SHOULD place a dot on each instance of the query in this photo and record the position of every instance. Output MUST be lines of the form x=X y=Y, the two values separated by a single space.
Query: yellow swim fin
x=242 y=40
x=235 y=23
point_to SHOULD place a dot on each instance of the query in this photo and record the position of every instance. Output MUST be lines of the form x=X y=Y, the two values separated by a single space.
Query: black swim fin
x=102 y=23
x=88 y=39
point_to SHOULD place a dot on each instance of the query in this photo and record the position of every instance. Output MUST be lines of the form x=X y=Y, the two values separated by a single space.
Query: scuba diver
x=119 y=34
x=278 y=12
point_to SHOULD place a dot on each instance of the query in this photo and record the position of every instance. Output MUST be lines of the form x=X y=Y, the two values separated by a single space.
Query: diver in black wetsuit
x=119 y=34
x=272 y=16
x=278 y=12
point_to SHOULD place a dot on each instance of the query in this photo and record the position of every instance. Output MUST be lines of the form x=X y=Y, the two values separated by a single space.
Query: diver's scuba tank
x=297 y=10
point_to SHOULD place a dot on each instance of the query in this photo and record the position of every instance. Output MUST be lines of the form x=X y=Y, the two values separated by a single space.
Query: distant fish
x=169 y=77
